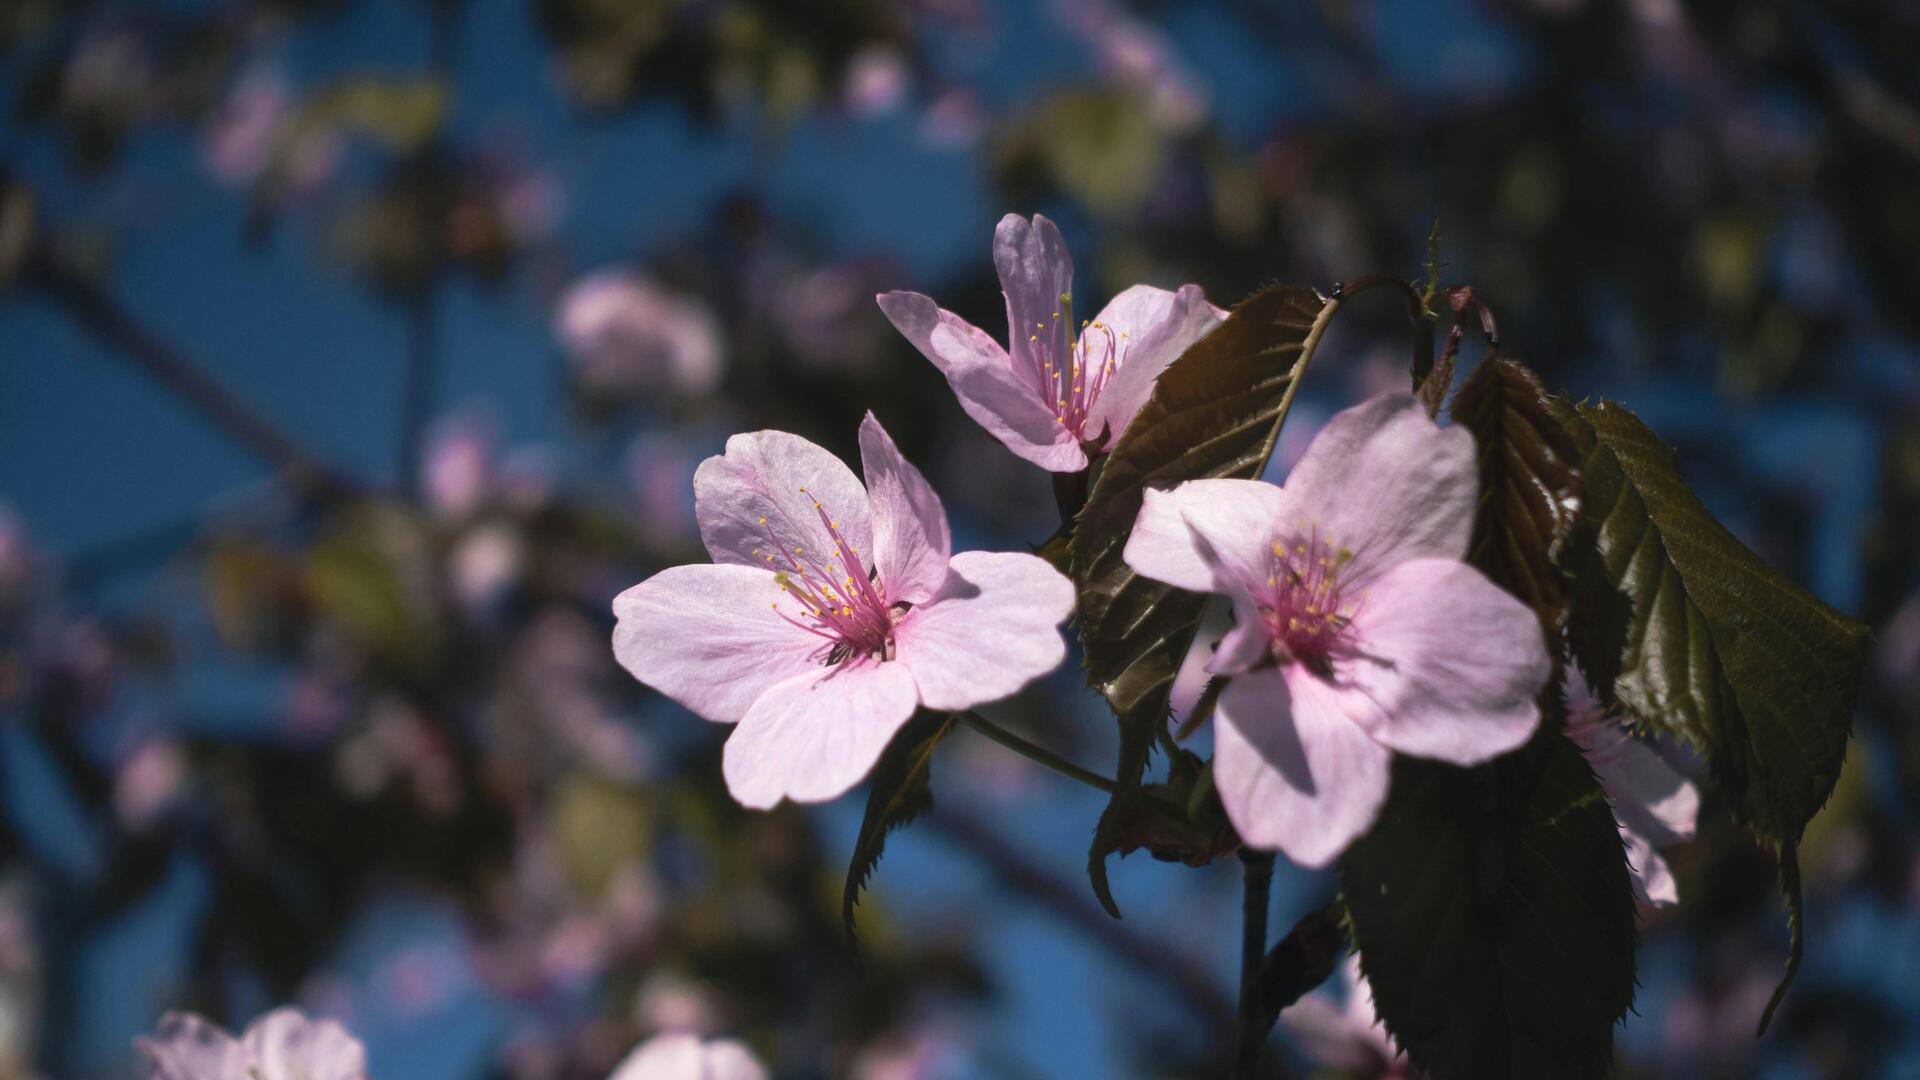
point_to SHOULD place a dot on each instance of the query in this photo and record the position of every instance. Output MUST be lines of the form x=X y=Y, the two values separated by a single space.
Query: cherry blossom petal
x=1155 y=327
x=287 y=1046
x=816 y=735
x=1294 y=773
x=1246 y=646
x=994 y=629
x=1322 y=1032
x=708 y=637
x=1651 y=797
x=679 y=1056
x=1035 y=273
x=1237 y=518
x=983 y=379
x=911 y=541
x=1449 y=666
x=1653 y=882
x=761 y=477
x=187 y=1047
x=1387 y=483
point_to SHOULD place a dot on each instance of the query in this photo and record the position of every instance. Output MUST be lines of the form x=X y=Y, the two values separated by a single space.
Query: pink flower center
x=839 y=601
x=1302 y=603
x=1070 y=371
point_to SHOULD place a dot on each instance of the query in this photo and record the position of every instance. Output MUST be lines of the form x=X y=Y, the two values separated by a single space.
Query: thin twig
x=100 y=315
x=1033 y=752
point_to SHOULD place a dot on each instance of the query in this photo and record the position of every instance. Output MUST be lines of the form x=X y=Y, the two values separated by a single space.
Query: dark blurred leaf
x=1695 y=636
x=371 y=578
x=1494 y=915
x=1102 y=148
x=1529 y=486
x=17 y=228
x=1216 y=412
x=902 y=789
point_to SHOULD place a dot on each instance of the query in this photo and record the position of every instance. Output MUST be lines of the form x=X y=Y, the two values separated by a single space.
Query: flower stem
x=1252 y=1038
x=1038 y=754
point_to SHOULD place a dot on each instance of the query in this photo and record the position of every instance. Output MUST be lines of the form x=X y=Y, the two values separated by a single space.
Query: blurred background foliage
x=354 y=353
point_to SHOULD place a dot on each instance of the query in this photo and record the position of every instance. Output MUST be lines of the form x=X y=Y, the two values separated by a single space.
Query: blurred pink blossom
x=686 y=1057
x=670 y=1002
x=256 y=122
x=954 y=120
x=627 y=335
x=148 y=783
x=281 y=1045
x=660 y=469
x=457 y=467
x=1137 y=55
x=876 y=81
x=486 y=562
x=920 y=1053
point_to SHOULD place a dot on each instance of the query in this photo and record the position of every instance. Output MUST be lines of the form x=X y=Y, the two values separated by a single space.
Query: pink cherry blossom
x=627 y=334
x=1357 y=630
x=282 y=1045
x=830 y=613
x=1062 y=393
x=1655 y=806
x=686 y=1057
x=1347 y=1037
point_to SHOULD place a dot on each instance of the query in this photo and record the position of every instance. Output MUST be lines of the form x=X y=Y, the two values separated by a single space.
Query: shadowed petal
x=994 y=629
x=1650 y=796
x=1008 y=404
x=187 y=1047
x=1035 y=273
x=1248 y=644
x=911 y=542
x=1236 y=516
x=814 y=736
x=707 y=636
x=1386 y=482
x=1321 y=1031
x=760 y=476
x=1653 y=880
x=1293 y=772
x=1449 y=665
x=1156 y=327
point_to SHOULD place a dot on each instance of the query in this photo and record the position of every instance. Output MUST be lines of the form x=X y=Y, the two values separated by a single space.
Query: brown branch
x=100 y=315
x=1251 y=1037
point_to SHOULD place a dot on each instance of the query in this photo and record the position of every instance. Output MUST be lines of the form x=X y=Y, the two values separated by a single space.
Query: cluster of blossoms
x=833 y=611
x=287 y=1045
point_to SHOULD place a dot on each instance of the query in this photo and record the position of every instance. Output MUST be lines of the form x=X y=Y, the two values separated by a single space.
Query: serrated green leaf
x=1695 y=636
x=1529 y=486
x=1215 y=412
x=902 y=789
x=1494 y=916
